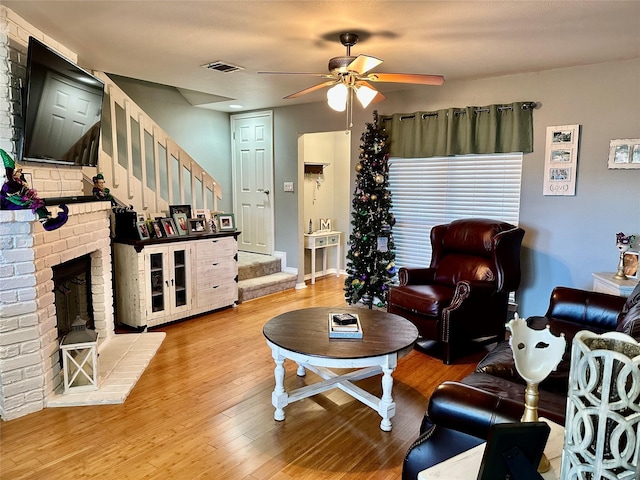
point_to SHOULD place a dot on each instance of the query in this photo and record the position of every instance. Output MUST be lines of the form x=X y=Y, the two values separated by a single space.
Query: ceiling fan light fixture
x=337 y=97
x=365 y=95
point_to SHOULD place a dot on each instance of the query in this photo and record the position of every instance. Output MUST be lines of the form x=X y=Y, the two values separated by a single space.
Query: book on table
x=344 y=325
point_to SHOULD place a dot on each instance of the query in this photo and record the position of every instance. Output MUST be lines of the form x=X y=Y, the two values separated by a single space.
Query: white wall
x=332 y=198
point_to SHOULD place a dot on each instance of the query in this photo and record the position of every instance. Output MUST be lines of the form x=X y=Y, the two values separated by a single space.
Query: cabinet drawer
x=207 y=250
x=218 y=296
x=208 y=275
x=333 y=240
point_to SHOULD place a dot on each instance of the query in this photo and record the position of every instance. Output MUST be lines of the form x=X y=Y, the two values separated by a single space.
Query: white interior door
x=252 y=138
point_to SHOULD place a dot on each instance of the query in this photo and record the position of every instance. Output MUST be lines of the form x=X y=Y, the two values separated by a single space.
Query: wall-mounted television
x=62 y=109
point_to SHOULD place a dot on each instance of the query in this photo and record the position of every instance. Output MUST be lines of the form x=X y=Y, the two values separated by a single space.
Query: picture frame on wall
x=561 y=160
x=143 y=230
x=630 y=264
x=624 y=153
x=181 y=223
x=226 y=222
x=186 y=209
x=198 y=226
x=169 y=227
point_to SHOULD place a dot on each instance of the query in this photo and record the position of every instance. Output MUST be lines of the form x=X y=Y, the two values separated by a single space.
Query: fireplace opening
x=72 y=288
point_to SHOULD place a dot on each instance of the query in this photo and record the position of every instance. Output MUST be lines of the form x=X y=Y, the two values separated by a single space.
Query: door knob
x=263 y=191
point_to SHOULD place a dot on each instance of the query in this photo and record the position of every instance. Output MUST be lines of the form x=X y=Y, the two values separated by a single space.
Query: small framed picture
x=198 y=225
x=169 y=227
x=630 y=263
x=143 y=231
x=226 y=222
x=157 y=228
x=624 y=153
x=186 y=209
x=181 y=223
x=202 y=213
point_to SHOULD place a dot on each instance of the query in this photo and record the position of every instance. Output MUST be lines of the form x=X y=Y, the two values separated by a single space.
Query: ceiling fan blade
x=363 y=63
x=405 y=78
x=311 y=89
x=379 y=96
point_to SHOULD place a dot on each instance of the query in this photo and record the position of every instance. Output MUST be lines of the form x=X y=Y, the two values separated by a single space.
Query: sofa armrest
x=470 y=410
x=458 y=418
x=593 y=310
x=415 y=276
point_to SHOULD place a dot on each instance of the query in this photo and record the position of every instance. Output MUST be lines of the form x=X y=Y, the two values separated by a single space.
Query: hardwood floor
x=202 y=410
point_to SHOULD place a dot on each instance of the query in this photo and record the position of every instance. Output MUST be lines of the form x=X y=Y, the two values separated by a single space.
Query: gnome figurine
x=16 y=195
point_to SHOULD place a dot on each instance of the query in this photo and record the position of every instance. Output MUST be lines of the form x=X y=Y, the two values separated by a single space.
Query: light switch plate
x=288 y=186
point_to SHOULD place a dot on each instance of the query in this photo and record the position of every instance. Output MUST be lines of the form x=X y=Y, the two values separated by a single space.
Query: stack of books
x=344 y=325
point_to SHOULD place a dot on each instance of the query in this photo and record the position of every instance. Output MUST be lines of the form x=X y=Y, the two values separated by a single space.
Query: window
x=436 y=190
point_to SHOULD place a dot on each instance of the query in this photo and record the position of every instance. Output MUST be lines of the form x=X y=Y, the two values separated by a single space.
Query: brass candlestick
x=620 y=273
x=530 y=414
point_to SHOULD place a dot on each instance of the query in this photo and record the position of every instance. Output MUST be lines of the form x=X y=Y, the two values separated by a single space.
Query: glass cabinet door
x=180 y=278
x=157 y=277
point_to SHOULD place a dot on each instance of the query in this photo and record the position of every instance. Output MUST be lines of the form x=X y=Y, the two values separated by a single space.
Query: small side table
x=323 y=240
x=605 y=283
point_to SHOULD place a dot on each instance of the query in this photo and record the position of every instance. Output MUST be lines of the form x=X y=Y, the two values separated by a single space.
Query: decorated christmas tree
x=370 y=257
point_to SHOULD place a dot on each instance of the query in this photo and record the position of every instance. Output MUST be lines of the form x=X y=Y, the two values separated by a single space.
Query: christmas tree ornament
x=379 y=179
x=359 y=167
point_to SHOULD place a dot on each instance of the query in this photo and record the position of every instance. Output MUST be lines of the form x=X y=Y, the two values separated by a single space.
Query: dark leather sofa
x=460 y=414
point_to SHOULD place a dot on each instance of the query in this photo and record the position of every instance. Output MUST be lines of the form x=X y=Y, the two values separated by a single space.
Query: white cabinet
x=160 y=282
x=605 y=283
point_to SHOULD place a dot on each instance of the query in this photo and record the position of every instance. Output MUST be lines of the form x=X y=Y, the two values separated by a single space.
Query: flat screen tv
x=62 y=109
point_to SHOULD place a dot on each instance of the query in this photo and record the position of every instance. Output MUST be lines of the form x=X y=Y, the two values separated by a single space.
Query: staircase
x=260 y=275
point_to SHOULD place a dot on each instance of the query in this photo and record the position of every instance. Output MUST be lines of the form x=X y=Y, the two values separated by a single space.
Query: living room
x=567 y=238
x=561 y=247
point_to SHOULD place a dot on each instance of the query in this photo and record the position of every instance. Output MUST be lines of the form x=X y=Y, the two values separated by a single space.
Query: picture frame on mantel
x=624 y=153
x=561 y=160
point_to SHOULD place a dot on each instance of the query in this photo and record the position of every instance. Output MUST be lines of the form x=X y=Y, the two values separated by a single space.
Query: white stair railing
x=142 y=165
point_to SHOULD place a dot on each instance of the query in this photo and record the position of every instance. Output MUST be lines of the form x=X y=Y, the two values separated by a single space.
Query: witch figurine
x=16 y=195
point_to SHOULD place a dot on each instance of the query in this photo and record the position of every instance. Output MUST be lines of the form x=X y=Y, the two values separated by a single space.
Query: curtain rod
x=525 y=106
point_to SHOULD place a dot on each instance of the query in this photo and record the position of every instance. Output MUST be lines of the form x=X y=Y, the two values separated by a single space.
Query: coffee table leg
x=279 y=397
x=386 y=407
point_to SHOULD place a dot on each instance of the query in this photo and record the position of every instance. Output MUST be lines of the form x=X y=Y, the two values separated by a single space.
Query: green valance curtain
x=461 y=131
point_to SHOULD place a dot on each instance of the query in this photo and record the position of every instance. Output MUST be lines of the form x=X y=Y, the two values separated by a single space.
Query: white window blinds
x=438 y=190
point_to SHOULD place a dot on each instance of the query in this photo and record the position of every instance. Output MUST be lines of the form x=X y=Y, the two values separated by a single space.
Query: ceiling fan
x=349 y=74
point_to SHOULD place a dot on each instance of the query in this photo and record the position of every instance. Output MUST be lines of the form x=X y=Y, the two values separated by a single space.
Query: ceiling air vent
x=222 y=67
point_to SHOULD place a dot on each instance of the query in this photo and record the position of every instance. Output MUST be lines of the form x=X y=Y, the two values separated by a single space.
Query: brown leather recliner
x=464 y=294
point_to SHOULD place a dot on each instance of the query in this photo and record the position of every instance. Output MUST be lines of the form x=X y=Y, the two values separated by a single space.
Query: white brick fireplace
x=29 y=358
